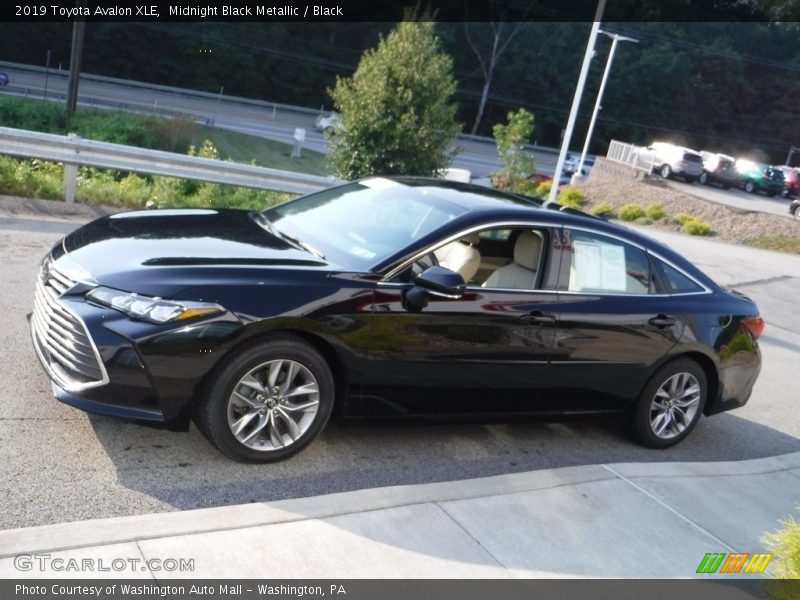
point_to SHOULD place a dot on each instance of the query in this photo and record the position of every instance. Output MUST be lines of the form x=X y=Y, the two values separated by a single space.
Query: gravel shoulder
x=618 y=186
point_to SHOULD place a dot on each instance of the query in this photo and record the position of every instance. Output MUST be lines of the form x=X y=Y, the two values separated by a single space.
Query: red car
x=791 y=177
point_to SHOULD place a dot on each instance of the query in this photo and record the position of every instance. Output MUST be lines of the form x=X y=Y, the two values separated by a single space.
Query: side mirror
x=437 y=281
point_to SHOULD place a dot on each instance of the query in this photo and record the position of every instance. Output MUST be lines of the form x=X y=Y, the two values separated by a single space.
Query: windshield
x=359 y=224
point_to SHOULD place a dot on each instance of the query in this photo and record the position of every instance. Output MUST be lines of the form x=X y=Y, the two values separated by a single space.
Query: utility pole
x=76 y=56
x=576 y=100
x=46 y=73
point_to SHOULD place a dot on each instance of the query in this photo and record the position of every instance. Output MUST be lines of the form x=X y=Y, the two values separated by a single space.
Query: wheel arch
x=709 y=368
x=316 y=341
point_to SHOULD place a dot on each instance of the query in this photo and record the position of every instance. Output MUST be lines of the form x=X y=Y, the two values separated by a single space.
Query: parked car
x=386 y=297
x=3 y=79
x=670 y=160
x=757 y=177
x=329 y=122
x=791 y=181
x=719 y=169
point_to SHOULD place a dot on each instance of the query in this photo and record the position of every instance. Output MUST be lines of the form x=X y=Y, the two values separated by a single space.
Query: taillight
x=754 y=325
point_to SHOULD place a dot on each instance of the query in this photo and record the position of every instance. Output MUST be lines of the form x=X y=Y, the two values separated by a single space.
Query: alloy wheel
x=674 y=405
x=273 y=405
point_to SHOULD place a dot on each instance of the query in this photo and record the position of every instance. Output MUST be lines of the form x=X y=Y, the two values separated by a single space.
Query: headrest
x=472 y=239
x=527 y=250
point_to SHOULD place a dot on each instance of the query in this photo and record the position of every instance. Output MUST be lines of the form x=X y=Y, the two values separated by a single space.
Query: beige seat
x=460 y=256
x=521 y=272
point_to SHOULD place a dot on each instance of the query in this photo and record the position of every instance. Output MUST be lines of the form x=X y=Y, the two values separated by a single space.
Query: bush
x=517 y=162
x=655 y=212
x=571 y=197
x=397 y=113
x=605 y=209
x=681 y=218
x=631 y=212
x=696 y=226
x=785 y=544
x=543 y=189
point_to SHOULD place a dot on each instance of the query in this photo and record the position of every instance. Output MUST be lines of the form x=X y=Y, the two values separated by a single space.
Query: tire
x=786 y=193
x=750 y=187
x=704 y=179
x=795 y=210
x=666 y=171
x=659 y=398
x=239 y=392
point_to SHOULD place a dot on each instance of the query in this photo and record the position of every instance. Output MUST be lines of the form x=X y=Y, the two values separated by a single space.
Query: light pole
x=616 y=38
x=576 y=100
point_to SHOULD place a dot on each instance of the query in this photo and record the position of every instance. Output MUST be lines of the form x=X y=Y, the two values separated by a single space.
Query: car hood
x=161 y=252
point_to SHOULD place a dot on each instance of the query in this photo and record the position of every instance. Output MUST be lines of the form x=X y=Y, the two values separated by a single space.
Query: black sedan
x=384 y=298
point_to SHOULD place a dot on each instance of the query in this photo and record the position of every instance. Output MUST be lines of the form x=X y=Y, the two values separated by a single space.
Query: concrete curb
x=52 y=209
x=102 y=532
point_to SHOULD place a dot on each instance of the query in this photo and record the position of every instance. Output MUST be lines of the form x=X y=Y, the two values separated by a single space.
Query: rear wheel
x=704 y=179
x=750 y=187
x=670 y=404
x=786 y=193
x=267 y=402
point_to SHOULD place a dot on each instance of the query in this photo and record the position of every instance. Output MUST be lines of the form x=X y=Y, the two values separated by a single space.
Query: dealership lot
x=60 y=464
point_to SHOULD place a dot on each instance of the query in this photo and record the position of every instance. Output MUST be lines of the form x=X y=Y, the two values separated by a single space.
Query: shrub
x=681 y=218
x=397 y=111
x=785 y=544
x=570 y=196
x=655 y=212
x=543 y=189
x=511 y=140
x=696 y=226
x=631 y=212
x=604 y=208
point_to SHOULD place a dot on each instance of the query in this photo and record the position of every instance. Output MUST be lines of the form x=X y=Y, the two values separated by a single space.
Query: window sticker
x=597 y=266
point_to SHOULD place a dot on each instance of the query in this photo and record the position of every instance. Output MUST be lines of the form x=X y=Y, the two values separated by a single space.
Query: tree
x=397 y=117
x=517 y=162
x=488 y=52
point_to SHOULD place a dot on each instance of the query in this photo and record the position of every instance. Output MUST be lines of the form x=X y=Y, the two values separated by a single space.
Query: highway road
x=60 y=464
x=274 y=122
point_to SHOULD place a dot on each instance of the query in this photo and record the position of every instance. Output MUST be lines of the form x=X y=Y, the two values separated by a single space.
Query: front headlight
x=147 y=308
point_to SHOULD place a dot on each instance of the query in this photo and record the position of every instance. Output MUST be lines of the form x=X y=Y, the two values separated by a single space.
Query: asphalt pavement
x=60 y=464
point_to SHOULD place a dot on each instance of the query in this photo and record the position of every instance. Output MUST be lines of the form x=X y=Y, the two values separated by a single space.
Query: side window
x=596 y=263
x=673 y=281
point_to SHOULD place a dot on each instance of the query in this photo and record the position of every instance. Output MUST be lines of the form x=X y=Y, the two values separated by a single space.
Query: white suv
x=670 y=160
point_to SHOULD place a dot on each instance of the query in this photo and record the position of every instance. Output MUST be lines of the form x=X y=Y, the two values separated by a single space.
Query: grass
x=246 y=148
x=781 y=243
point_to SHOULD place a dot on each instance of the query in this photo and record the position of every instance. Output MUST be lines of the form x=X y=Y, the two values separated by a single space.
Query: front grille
x=60 y=335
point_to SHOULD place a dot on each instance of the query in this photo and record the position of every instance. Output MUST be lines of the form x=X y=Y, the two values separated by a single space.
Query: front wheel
x=750 y=187
x=666 y=171
x=268 y=401
x=670 y=404
x=704 y=179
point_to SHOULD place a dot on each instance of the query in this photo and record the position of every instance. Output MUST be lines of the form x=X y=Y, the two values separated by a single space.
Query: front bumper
x=101 y=361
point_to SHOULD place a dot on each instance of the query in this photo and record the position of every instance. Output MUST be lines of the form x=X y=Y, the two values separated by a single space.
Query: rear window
x=672 y=280
x=695 y=158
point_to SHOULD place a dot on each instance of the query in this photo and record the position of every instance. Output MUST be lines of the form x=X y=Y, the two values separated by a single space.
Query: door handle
x=537 y=318
x=662 y=321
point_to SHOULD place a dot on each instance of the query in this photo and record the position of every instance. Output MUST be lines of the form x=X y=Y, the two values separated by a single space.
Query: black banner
x=372 y=589
x=395 y=10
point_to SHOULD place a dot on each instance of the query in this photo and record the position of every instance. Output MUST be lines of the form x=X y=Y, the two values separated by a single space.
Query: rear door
x=612 y=326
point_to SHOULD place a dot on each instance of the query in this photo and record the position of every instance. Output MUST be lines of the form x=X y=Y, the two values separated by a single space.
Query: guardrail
x=634 y=156
x=74 y=151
